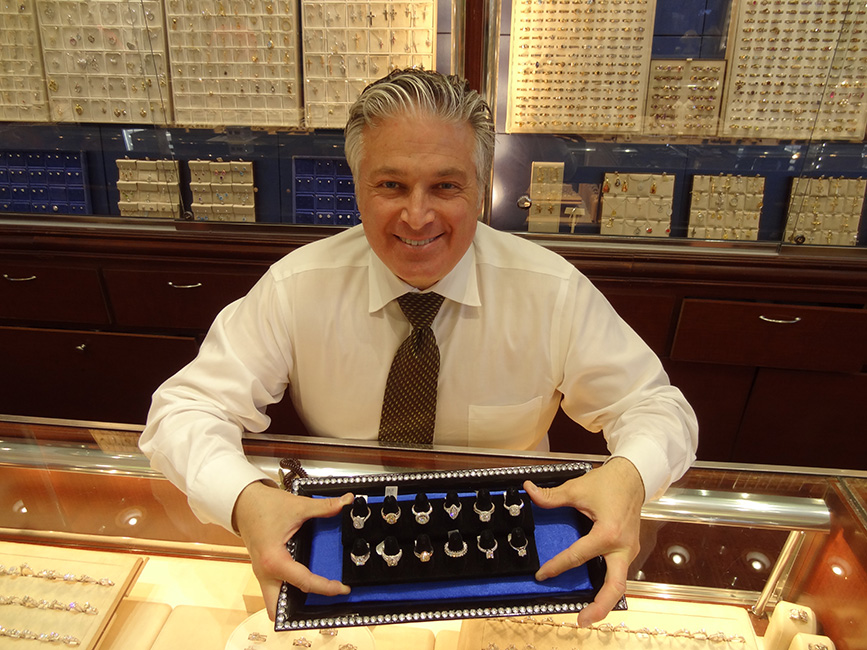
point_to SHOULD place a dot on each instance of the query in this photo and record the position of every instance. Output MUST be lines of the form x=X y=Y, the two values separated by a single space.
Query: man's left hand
x=611 y=496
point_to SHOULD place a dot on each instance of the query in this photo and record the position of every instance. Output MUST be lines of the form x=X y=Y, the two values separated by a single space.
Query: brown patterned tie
x=409 y=405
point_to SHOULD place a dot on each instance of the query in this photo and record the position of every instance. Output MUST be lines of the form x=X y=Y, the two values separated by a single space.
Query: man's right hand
x=267 y=517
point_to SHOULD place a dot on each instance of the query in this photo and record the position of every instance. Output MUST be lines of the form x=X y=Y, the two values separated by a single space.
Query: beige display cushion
x=121 y=569
x=214 y=605
x=671 y=616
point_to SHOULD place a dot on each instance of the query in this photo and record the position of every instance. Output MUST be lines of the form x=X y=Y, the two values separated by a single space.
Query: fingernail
x=541 y=576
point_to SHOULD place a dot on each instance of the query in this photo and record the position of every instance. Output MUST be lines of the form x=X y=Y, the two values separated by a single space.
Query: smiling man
x=517 y=333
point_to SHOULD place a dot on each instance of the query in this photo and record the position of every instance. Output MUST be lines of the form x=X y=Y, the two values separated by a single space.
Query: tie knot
x=420 y=308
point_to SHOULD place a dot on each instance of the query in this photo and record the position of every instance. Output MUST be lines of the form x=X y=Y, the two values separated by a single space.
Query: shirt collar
x=459 y=285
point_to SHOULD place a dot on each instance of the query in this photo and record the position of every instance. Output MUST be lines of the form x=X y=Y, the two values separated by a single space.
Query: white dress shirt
x=520 y=328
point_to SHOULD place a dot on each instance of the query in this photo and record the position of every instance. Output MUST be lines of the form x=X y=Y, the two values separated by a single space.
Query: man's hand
x=611 y=496
x=267 y=518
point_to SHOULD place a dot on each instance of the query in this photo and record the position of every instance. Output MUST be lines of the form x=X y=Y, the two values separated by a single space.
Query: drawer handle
x=82 y=347
x=11 y=279
x=185 y=286
x=791 y=321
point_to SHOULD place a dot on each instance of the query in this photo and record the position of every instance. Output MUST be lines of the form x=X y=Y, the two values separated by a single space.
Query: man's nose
x=417 y=211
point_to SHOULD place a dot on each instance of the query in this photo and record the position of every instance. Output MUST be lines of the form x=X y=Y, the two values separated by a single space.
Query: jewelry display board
x=222 y=191
x=320 y=546
x=43 y=182
x=22 y=84
x=637 y=204
x=726 y=207
x=825 y=211
x=347 y=45
x=684 y=97
x=324 y=192
x=148 y=188
x=662 y=625
x=546 y=196
x=579 y=68
x=234 y=62
x=62 y=597
x=785 y=57
x=105 y=61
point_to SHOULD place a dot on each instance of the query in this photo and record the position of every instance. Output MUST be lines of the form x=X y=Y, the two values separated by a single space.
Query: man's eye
x=447 y=186
x=390 y=185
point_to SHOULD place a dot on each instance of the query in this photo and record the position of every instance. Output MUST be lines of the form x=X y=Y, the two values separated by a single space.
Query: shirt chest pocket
x=512 y=426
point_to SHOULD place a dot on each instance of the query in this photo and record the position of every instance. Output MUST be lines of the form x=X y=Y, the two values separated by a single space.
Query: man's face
x=418 y=195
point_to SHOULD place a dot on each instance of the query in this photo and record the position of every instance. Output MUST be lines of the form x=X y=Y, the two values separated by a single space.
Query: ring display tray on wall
x=472 y=569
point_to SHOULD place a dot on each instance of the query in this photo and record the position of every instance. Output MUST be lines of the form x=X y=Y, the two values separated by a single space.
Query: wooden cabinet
x=177 y=299
x=774 y=335
x=86 y=375
x=769 y=350
x=47 y=293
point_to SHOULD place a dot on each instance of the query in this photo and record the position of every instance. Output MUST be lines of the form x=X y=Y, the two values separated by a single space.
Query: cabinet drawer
x=771 y=335
x=82 y=375
x=42 y=293
x=175 y=300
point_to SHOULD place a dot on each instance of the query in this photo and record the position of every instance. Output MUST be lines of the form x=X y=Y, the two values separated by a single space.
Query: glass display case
x=742 y=538
x=627 y=122
x=710 y=120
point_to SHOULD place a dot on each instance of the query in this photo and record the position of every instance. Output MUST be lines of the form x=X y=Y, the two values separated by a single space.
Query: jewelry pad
x=825 y=211
x=327 y=545
x=469 y=561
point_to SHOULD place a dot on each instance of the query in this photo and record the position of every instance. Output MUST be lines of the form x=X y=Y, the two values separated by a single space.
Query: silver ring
x=422 y=517
x=484 y=515
x=359 y=560
x=391 y=517
x=521 y=550
x=515 y=509
x=489 y=552
x=257 y=637
x=301 y=641
x=452 y=553
x=390 y=560
x=453 y=511
x=328 y=631
x=358 y=522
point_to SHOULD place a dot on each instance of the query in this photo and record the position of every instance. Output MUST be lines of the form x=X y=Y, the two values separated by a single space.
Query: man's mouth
x=416 y=242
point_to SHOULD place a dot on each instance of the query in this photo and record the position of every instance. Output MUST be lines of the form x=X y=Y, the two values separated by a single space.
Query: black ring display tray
x=470 y=550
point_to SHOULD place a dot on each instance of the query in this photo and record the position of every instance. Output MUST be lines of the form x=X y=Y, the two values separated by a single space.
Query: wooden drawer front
x=83 y=375
x=771 y=335
x=649 y=314
x=51 y=294
x=174 y=300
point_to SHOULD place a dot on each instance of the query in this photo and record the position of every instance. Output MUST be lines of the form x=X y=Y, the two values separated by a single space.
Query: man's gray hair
x=422 y=92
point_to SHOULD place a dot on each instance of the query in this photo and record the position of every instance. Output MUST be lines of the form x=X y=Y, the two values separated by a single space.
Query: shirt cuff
x=651 y=463
x=217 y=487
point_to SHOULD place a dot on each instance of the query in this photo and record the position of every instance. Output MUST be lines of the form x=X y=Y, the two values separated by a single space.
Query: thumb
x=547 y=497
x=330 y=506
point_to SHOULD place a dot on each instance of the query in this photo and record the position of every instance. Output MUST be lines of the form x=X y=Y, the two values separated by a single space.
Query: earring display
x=43 y=182
x=637 y=204
x=22 y=83
x=349 y=45
x=222 y=191
x=234 y=63
x=785 y=57
x=438 y=546
x=105 y=61
x=726 y=207
x=546 y=194
x=825 y=211
x=324 y=192
x=580 y=68
x=148 y=188
x=684 y=97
